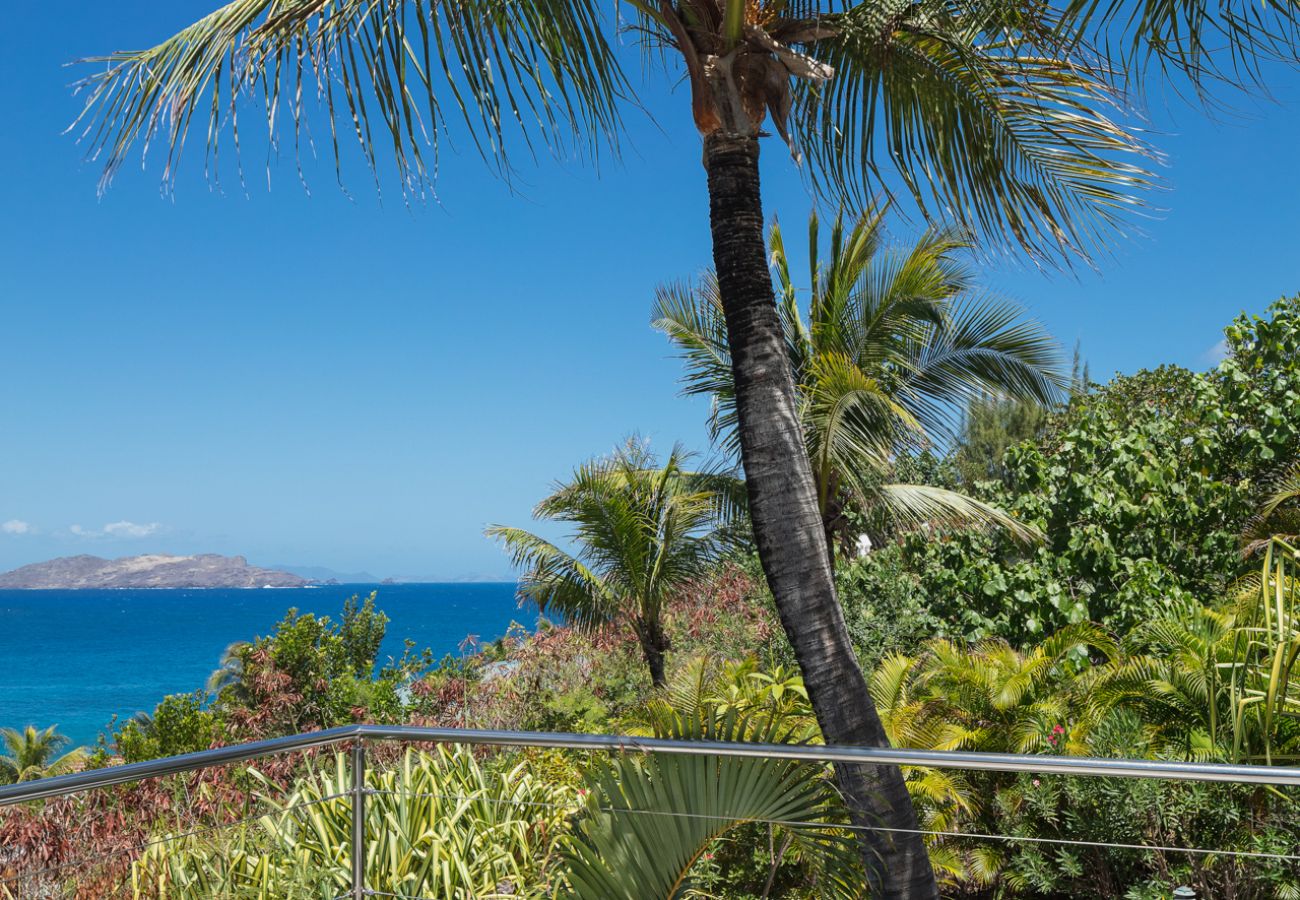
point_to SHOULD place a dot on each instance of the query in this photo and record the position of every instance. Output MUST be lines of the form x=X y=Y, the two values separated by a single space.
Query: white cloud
x=1218 y=353
x=131 y=529
x=16 y=526
x=122 y=529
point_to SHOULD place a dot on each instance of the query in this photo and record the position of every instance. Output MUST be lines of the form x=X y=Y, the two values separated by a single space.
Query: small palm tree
x=1177 y=674
x=229 y=674
x=896 y=342
x=642 y=531
x=1278 y=516
x=32 y=754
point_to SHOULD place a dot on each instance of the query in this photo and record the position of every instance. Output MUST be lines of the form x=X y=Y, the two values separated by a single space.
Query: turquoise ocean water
x=76 y=658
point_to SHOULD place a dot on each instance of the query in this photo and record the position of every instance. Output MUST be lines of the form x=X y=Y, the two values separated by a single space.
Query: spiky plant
x=438 y=824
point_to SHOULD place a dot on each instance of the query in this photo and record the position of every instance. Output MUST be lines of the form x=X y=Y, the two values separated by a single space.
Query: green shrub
x=179 y=724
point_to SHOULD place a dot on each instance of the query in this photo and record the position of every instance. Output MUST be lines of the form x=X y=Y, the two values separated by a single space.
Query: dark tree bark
x=788 y=526
x=654 y=644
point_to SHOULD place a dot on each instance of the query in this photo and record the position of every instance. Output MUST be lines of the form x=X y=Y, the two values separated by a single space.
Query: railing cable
x=831 y=826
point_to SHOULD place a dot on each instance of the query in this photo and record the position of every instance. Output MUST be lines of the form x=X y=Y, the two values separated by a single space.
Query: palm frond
x=553 y=579
x=851 y=420
x=391 y=72
x=1005 y=135
x=1207 y=43
x=920 y=504
x=650 y=820
x=692 y=318
x=985 y=346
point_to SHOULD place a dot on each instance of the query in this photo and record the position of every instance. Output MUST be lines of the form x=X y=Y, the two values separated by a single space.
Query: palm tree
x=33 y=754
x=895 y=342
x=643 y=532
x=994 y=113
x=229 y=674
x=1278 y=516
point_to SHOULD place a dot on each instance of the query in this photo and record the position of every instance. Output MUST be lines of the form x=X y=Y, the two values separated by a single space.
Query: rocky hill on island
x=205 y=570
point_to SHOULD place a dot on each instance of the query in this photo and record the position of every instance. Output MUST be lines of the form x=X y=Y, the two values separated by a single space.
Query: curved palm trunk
x=654 y=644
x=788 y=526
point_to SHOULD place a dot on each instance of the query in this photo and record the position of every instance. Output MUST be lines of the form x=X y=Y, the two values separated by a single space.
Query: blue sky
x=325 y=380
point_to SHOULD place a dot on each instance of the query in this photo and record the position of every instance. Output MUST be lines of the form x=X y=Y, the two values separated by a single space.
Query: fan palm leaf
x=650 y=820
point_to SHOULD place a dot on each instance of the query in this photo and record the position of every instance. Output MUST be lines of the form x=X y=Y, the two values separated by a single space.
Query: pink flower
x=1037 y=782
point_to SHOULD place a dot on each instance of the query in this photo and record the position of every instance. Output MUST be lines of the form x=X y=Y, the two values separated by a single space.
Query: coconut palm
x=34 y=754
x=998 y=114
x=896 y=341
x=642 y=532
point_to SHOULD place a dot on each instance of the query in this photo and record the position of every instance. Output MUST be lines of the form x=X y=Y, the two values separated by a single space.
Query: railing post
x=359 y=820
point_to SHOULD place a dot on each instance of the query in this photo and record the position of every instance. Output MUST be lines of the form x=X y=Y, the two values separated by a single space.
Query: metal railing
x=359 y=735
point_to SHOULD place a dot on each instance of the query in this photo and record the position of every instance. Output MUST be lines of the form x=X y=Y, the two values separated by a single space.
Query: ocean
x=77 y=658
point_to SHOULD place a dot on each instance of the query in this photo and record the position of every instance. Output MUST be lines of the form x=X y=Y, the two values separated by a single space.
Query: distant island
x=205 y=570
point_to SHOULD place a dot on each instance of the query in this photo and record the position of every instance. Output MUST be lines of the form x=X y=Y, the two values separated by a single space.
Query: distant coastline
x=147 y=572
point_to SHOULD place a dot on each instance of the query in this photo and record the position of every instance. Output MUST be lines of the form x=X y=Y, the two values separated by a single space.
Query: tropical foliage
x=31 y=753
x=642 y=531
x=651 y=822
x=437 y=825
x=869 y=98
x=999 y=116
x=1185 y=649
x=895 y=342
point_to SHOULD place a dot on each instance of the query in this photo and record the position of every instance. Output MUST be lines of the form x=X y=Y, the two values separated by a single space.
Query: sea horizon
x=78 y=658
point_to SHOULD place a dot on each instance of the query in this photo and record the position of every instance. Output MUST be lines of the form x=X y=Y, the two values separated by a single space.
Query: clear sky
x=325 y=380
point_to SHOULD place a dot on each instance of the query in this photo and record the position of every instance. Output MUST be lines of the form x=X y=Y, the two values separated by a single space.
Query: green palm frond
x=1003 y=117
x=984 y=119
x=650 y=820
x=851 y=419
x=1208 y=43
x=985 y=346
x=921 y=504
x=34 y=753
x=894 y=342
x=692 y=317
x=393 y=73
x=555 y=580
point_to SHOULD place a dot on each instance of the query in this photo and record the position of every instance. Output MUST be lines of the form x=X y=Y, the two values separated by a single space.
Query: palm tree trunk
x=788 y=526
x=654 y=644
